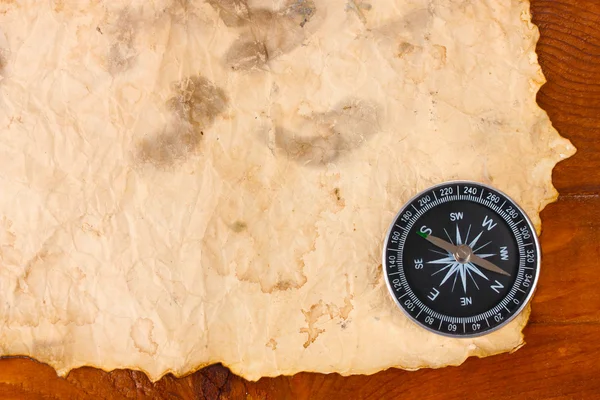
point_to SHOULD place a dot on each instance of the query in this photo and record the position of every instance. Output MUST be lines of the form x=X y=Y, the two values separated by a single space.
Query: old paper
x=192 y=182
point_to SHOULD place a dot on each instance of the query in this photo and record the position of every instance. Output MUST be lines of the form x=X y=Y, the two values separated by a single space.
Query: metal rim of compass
x=535 y=240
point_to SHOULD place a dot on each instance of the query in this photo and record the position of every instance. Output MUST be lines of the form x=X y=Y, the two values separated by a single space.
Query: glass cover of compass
x=461 y=259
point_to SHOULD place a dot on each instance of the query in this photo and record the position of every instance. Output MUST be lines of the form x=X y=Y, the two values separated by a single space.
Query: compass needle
x=457 y=263
x=473 y=268
x=441 y=243
x=488 y=265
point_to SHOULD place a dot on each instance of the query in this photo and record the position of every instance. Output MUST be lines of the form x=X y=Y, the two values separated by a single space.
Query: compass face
x=461 y=259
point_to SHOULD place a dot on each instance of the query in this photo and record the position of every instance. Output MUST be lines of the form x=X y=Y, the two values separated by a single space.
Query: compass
x=461 y=259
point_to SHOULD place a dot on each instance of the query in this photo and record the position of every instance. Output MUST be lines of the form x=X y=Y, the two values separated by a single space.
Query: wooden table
x=562 y=357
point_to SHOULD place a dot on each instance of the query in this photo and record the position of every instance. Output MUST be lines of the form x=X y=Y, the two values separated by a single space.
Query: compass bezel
x=534 y=239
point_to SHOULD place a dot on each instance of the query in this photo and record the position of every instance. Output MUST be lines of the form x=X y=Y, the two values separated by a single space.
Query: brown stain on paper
x=267 y=34
x=195 y=104
x=141 y=334
x=3 y=61
x=233 y=13
x=245 y=250
x=319 y=310
x=272 y=343
x=335 y=133
x=122 y=53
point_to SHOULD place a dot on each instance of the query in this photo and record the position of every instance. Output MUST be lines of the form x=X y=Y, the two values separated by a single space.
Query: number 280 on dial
x=461 y=259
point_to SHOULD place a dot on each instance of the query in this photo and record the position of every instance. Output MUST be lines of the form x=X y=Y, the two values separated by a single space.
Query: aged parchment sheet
x=191 y=182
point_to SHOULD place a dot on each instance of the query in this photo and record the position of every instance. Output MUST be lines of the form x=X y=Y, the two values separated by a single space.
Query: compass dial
x=461 y=259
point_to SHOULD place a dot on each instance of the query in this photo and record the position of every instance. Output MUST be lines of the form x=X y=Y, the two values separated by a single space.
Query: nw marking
x=504 y=253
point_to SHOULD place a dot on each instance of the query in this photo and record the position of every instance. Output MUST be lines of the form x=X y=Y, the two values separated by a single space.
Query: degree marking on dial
x=419 y=313
x=506 y=308
x=395 y=273
x=413 y=297
x=404 y=229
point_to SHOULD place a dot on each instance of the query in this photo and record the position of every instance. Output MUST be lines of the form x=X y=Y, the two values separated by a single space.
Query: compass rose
x=455 y=268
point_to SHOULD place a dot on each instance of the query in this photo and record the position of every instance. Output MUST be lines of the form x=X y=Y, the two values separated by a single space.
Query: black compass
x=461 y=259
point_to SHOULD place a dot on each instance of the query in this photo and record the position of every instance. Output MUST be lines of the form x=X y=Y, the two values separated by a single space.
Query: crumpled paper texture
x=192 y=182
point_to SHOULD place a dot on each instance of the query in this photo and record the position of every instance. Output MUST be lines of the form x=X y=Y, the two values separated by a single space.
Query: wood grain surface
x=561 y=359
